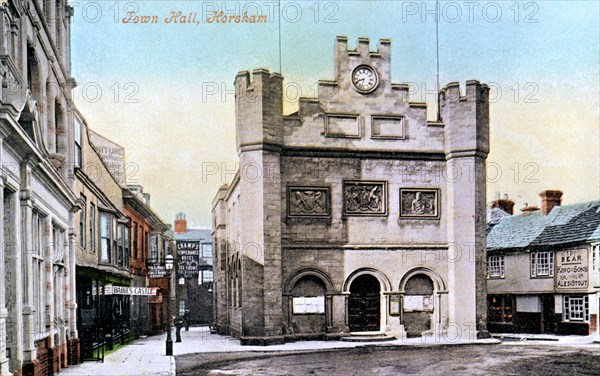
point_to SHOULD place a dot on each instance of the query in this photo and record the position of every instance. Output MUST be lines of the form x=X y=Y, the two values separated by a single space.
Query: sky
x=164 y=91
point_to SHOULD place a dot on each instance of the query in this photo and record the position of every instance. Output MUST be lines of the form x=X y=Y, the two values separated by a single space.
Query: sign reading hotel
x=134 y=291
x=188 y=255
x=572 y=270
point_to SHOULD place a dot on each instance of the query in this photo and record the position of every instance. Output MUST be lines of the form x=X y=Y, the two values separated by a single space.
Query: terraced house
x=103 y=247
x=544 y=267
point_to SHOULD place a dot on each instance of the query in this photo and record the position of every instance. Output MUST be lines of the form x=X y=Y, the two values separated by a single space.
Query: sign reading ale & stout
x=572 y=269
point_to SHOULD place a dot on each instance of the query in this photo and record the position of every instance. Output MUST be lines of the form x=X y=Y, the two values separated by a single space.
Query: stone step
x=368 y=337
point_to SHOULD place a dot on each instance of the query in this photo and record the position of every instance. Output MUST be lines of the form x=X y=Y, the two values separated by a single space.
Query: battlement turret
x=259 y=108
x=363 y=49
x=466 y=118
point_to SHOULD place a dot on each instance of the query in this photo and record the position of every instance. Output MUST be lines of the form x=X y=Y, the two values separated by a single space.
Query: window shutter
x=586 y=308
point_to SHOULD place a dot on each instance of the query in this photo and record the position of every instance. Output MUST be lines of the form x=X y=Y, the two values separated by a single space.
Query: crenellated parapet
x=259 y=109
x=466 y=118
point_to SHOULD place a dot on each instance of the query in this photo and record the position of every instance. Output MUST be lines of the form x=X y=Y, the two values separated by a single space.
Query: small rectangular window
x=576 y=308
x=495 y=267
x=78 y=151
x=105 y=235
x=82 y=219
x=92 y=240
x=542 y=264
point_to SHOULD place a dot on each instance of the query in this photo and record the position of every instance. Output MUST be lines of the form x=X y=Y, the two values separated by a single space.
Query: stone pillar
x=29 y=349
x=3 y=311
x=259 y=118
x=52 y=126
x=466 y=141
x=48 y=250
x=71 y=293
x=13 y=281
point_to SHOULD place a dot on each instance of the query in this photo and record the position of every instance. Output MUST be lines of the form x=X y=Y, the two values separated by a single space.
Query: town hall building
x=355 y=213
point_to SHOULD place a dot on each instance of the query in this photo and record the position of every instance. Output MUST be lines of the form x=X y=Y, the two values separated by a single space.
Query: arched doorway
x=364 y=304
x=308 y=305
x=418 y=304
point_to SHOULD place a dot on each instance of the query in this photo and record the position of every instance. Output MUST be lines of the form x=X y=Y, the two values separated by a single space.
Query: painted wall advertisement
x=572 y=269
x=188 y=258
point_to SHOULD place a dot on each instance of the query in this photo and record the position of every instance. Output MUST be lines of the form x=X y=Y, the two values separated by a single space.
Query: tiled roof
x=203 y=235
x=516 y=231
x=576 y=228
x=564 y=224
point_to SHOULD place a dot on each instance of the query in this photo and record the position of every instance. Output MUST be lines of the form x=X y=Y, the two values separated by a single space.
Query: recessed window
x=576 y=308
x=105 y=235
x=82 y=215
x=542 y=264
x=501 y=308
x=495 y=266
x=78 y=152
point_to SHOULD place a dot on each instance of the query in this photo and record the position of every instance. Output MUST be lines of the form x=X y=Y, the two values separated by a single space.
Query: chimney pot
x=180 y=224
x=550 y=199
x=504 y=204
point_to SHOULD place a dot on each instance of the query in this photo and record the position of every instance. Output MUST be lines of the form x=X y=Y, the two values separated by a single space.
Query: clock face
x=365 y=78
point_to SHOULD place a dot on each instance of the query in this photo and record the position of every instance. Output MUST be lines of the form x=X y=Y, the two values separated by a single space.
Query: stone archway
x=418 y=304
x=364 y=304
x=309 y=299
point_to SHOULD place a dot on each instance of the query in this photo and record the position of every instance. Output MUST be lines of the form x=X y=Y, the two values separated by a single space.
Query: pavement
x=146 y=356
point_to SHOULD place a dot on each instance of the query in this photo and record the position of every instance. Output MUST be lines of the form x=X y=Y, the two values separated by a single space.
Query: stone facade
x=355 y=213
x=38 y=324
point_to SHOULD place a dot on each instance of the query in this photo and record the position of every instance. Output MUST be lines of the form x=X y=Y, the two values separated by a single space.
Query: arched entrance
x=418 y=304
x=308 y=305
x=364 y=304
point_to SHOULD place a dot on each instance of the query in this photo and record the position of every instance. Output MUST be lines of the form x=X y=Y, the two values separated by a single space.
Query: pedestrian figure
x=186 y=320
x=178 y=325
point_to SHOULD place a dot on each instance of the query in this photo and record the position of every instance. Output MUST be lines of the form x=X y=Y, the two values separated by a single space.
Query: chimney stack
x=180 y=223
x=505 y=204
x=550 y=199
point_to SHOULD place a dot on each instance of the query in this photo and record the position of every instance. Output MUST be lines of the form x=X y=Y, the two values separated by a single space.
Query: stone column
x=48 y=253
x=13 y=281
x=71 y=302
x=3 y=311
x=29 y=349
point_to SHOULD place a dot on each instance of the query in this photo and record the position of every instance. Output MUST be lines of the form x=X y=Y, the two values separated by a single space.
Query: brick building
x=544 y=267
x=354 y=213
x=147 y=248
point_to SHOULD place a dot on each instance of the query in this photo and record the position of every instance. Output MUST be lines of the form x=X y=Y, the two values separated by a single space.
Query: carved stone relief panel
x=367 y=198
x=309 y=201
x=419 y=203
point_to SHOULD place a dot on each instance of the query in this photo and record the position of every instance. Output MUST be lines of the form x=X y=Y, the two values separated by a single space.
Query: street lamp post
x=169 y=269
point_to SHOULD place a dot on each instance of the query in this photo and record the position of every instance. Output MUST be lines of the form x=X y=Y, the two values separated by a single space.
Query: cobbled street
x=501 y=359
